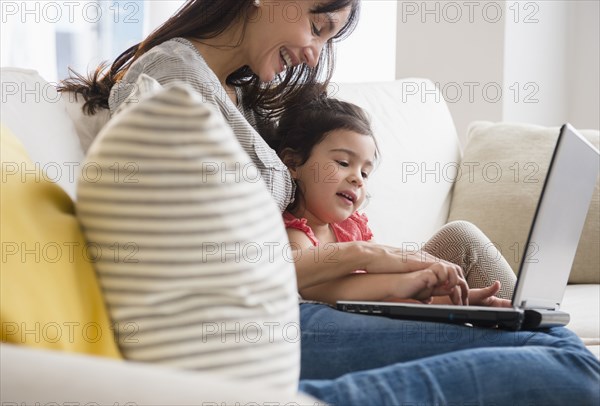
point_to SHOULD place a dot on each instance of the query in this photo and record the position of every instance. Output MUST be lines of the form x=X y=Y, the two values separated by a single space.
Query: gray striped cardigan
x=178 y=61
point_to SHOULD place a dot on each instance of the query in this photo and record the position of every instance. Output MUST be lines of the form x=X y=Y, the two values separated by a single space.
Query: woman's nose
x=313 y=53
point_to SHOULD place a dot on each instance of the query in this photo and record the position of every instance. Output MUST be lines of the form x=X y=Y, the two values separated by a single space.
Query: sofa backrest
x=410 y=189
x=420 y=152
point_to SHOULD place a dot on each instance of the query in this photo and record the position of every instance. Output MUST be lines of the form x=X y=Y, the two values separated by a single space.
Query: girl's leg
x=560 y=374
x=464 y=244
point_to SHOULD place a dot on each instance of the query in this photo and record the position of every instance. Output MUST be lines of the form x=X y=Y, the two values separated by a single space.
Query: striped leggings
x=464 y=244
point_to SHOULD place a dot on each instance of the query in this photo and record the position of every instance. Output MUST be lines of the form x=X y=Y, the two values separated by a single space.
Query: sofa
x=51 y=298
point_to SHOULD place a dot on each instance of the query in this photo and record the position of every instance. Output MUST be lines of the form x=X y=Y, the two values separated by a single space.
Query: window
x=50 y=36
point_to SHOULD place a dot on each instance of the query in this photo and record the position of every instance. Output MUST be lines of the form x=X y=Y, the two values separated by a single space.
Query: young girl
x=330 y=150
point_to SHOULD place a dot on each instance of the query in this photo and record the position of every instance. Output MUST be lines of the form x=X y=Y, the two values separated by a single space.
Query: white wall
x=542 y=55
x=459 y=46
x=535 y=61
x=158 y=12
x=369 y=54
x=583 y=69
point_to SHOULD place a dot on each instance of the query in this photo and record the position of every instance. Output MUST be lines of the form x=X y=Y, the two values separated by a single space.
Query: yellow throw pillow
x=49 y=294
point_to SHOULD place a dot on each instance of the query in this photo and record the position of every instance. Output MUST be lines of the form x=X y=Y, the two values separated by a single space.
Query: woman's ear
x=290 y=158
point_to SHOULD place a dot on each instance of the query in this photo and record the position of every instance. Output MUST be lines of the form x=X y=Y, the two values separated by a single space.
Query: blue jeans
x=352 y=359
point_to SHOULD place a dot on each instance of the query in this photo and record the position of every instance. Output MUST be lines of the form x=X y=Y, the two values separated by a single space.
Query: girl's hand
x=485 y=296
x=451 y=282
x=436 y=280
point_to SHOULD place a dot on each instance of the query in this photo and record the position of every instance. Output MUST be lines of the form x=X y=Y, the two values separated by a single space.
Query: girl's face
x=285 y=33
x=333 y=180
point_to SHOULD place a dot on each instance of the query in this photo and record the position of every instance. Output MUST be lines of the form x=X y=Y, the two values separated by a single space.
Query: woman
x=249 y=59
x=232 y=53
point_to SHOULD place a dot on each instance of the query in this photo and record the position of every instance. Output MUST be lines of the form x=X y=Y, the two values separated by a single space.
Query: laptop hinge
x=539 y=304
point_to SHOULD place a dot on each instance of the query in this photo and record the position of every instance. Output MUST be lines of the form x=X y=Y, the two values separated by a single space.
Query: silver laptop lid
x=558 y=222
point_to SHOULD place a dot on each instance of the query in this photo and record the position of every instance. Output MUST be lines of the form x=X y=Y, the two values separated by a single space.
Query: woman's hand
x=385 y=259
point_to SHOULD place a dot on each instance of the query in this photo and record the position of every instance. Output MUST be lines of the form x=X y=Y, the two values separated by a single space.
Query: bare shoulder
x=298 y=239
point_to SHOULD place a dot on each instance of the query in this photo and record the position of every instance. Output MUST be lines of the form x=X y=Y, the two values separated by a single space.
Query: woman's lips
x=286 y=57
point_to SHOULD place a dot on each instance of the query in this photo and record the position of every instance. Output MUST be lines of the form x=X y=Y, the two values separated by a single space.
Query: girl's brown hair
x=205 y=19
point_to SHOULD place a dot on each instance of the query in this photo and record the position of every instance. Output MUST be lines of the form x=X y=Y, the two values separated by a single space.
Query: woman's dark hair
x=205 y=19
x=303 y=126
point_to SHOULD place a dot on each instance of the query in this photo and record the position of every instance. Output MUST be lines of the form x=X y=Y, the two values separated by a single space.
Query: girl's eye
x=315 y=31
x=342 y=163
x=365 y=175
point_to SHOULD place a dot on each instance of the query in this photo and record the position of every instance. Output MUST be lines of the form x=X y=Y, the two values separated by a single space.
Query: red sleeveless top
x=354 y=228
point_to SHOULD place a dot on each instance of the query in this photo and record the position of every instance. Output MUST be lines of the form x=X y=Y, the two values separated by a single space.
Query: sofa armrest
x=31 y=376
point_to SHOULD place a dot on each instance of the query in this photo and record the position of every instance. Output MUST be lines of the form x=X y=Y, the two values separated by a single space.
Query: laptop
x=548 y=257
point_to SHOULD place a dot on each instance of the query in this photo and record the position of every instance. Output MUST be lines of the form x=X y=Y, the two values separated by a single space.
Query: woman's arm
x=316 y=265
x=331 y=262
x=419 y=285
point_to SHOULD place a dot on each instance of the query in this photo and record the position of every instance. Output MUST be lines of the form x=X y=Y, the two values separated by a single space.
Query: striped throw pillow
x=189 y=247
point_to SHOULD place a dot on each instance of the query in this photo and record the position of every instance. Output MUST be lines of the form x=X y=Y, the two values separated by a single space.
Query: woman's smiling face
x=287 y=33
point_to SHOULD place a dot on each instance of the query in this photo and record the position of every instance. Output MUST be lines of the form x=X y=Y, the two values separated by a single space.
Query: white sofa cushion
x=582 y=302
x=36 y=114
x=86 y=126
x=191 y=243
x=35 y=377
x=411 y=188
